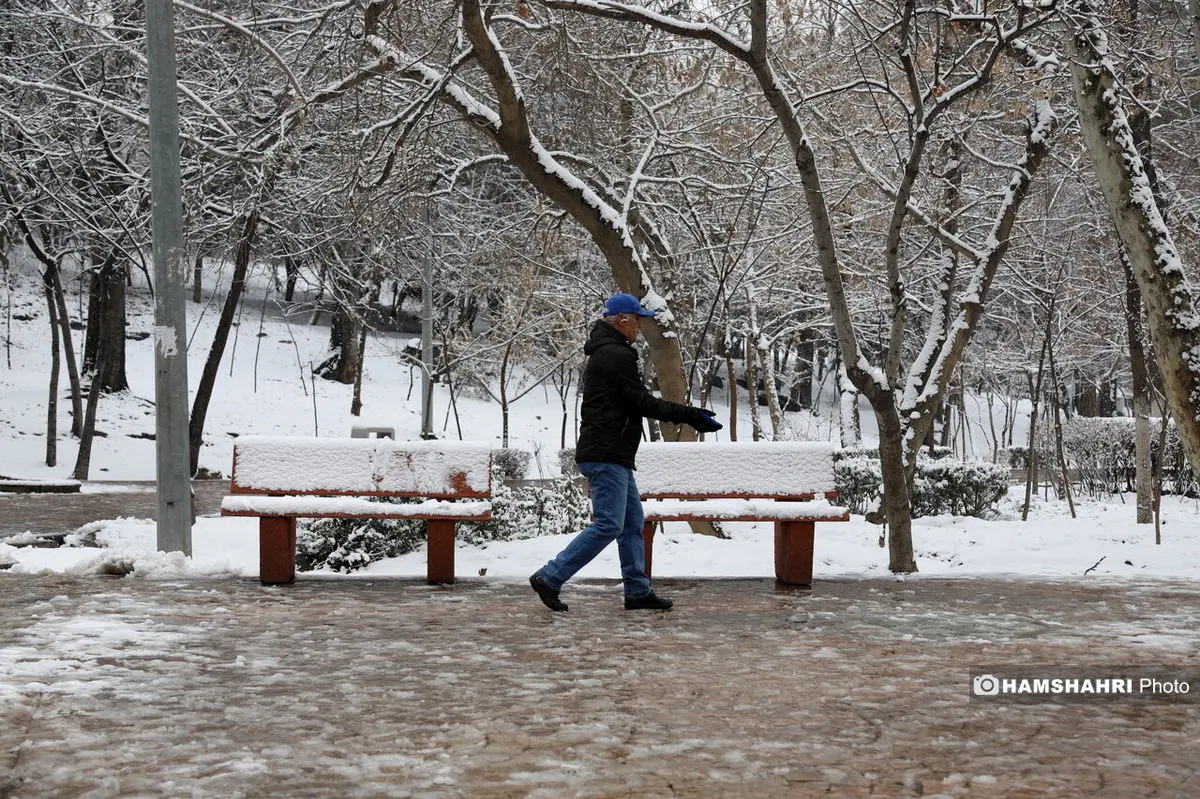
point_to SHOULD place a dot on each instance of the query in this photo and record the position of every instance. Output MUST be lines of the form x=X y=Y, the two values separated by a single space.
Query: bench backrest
x=361 y=467
x=760 y=469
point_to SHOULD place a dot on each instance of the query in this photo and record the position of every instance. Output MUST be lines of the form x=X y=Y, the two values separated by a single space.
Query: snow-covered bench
x=789 y=483
x=281 y=479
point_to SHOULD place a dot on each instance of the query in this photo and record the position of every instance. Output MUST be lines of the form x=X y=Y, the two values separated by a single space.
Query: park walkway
x=60 y=513
x=354 y=688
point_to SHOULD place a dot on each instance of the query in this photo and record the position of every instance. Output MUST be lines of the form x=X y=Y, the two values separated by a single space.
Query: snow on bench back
x=366 y=466
x=751 y=469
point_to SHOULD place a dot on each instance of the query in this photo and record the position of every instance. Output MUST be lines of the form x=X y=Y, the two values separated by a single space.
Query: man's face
x=629 y=324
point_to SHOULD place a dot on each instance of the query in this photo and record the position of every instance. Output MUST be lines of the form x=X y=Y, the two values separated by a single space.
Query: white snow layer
x=729 y=469
x=362 y=466
x=313 y=507
x=744 y=509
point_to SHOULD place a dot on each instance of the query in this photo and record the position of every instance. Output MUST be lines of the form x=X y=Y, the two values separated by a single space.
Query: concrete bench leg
x=276 y=550
x=794 y=552
x=440 y=568
x=648 y=544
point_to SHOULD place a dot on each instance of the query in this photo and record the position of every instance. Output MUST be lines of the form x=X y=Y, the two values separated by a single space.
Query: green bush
x=345 y=545
x=962 y=488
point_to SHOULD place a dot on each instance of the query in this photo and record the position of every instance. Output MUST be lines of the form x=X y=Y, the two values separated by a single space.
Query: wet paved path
x=349 y=688
x=62 y=513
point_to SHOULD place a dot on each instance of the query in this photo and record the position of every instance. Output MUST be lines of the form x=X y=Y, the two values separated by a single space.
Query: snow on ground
x=263 y=389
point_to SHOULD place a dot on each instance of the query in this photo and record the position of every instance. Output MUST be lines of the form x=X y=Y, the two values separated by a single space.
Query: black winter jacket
x=615 y=400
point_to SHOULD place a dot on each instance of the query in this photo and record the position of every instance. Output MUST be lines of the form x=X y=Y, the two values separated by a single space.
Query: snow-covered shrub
x=963 y=488
x=851 y=453
x=512 y=463
x=857 y=480
x=1101 y=450
x=847 y=453
x=551 y=508
x=345 y=545
x=1015 y=457
x=566 y=463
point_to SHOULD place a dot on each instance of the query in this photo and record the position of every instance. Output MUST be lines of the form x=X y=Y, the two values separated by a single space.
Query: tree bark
x=1143 y=479
x=291 y=267
x=851 y=425
x=1155 y=260
x=83 y=460
x=356 y=401
x=64 y=316
x=756 y=344
x=1194 y=7
x=104 y=341
x=1058 y=436
x=897 y=504
x=52 y=400
x=1035 y=393
x=730 y=382
x=208 y=377
x=197 y=278
x=751 y=356
x=344 y=332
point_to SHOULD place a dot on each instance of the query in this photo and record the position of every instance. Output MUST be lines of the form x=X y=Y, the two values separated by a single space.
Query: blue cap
x=624 y=303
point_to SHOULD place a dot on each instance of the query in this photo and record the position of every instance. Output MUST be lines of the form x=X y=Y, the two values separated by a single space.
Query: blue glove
x=704 y=421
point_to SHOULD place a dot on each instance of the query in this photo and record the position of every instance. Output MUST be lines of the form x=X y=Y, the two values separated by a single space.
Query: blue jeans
x=617 y=509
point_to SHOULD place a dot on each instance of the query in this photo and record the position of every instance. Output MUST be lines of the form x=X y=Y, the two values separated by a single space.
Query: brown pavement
x=348 y=688
x=62 y=513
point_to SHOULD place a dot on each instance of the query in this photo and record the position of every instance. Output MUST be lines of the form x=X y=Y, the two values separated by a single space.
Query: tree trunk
x=757 y=343
x=769 y=387
x=291 y=267
x=197 y=277
x=104 y=341
x=1157 y=266
x=897 y=507
x=52 y=400
x=1194 y=8
x=801 y=392
x=1035 y=392
x=344 y=332
x=1143 y=479
x=730 y=383
x=68 y=347
x=356 y=402
x=83 y=460
x=208 y=378
x=1058 y=437
x=848 y=403
x=1087 y=403
x=504 y=394
x=64 y=317
x=751 y=353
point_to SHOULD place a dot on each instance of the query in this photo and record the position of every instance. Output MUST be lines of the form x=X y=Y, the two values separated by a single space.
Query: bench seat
x=742 y=510
x=353 y=507
x=790 y=483
x=281 y=479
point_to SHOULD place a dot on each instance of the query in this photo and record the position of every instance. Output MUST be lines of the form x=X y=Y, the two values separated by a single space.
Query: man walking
x=614 y=403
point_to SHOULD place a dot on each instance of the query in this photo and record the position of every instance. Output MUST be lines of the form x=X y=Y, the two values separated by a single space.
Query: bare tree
x=1156 y=264
x=905 y=407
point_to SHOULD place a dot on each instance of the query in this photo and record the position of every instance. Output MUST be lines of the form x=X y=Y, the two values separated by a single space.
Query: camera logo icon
x=985 y=685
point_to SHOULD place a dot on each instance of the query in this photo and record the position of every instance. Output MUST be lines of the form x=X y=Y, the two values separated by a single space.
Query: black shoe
x=650 y=601
x=547 y=594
